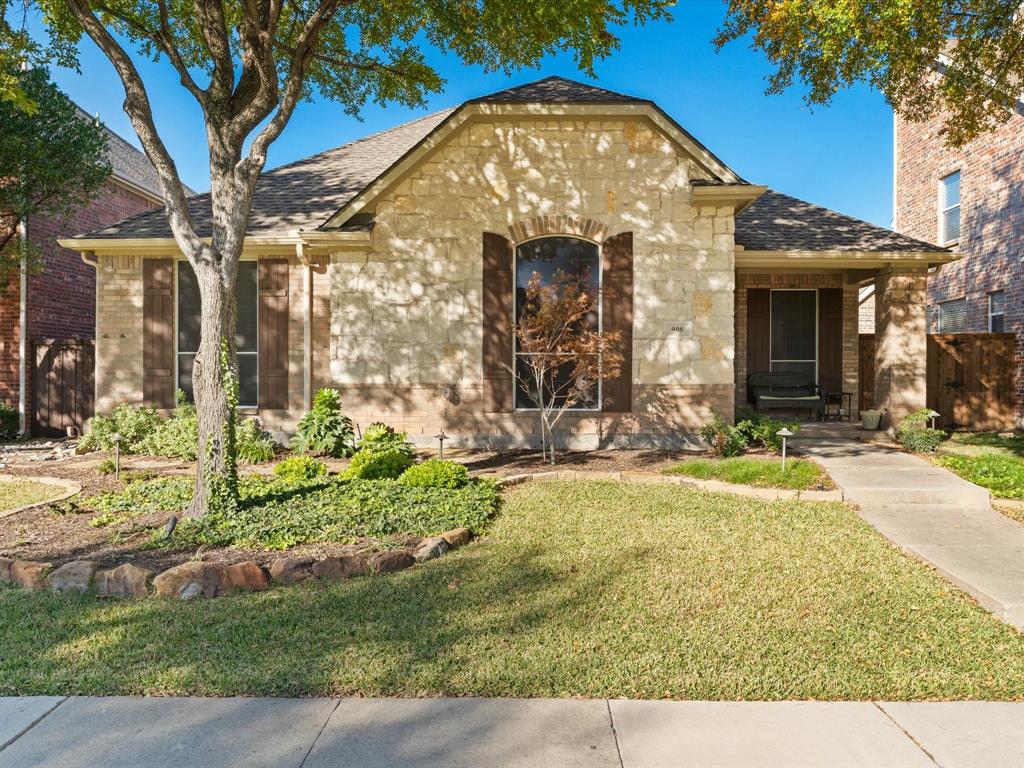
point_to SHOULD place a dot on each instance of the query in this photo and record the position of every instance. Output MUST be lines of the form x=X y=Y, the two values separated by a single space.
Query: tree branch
x=140 y=112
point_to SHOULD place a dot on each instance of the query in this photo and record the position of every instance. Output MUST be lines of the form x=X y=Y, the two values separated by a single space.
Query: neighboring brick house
x=391 y=268
x=972 y=198
x=60 y=300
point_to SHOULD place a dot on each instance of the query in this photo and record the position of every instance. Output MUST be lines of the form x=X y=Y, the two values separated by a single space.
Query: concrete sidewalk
x=123 y=732
x=932 y=514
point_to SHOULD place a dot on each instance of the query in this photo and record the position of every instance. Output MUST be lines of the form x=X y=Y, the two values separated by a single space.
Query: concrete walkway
x=930 y=513
x=122 y=732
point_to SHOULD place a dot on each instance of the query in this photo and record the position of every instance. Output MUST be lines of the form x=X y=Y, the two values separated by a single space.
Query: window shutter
x=759 y=308
x=272 y=343
x=158 y=332
x=498 y=325
x=830 y=339
x=617 y=315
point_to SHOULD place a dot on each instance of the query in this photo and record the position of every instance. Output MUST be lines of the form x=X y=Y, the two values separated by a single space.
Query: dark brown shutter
x=617 y=315
x=830 y=339
x=759 y=310
x=158 y=332
x=272 y=340
x=498 y=325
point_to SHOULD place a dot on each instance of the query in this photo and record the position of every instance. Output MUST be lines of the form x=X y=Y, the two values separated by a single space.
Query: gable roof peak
x=556 y=89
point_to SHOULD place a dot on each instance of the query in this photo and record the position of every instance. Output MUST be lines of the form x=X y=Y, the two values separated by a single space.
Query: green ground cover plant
x=278 y=513
x=436 y=473
x=800 y=474
x=592 y=589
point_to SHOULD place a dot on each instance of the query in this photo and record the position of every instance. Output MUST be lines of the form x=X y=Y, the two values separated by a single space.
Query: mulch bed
x=41 y=533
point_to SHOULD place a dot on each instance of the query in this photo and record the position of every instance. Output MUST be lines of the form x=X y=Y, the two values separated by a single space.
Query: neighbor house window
x=953 y=316
x=949 y=208
x=567 y=258
x=997 y=312
x=794 y=332
x=245 y=334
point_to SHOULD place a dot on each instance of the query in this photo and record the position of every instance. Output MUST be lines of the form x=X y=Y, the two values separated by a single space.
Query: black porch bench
x=781 y=389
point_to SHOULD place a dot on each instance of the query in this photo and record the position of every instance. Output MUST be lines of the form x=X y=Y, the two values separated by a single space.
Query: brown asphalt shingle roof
x=305 y=194
x=778 y=222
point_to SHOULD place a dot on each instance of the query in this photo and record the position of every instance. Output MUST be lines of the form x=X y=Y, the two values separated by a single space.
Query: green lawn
x=592 y=589
x=18 y=493
x=988 y=460
x=747 y=470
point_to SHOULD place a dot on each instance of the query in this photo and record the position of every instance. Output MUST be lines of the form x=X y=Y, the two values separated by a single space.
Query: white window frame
x=177 y=351
x=771 y=352
x=992 y=314
x=961 y=300
x=943 y=209
x=515 y=318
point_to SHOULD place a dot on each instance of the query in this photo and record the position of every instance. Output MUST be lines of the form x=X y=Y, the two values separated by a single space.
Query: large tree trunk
x=214 y=381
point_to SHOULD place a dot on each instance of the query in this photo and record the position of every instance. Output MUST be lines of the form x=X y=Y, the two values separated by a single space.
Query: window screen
x=794 y=332
x=949 y=207
x=953 y=316
x=246 y=331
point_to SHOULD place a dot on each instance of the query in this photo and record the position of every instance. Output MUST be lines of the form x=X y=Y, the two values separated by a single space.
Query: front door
x=794 y=332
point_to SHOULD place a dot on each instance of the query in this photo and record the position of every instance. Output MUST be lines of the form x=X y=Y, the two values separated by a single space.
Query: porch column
x=900 y=342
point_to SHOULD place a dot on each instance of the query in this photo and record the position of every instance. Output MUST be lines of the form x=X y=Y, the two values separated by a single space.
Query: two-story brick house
x=59 y=301
x=973 y=199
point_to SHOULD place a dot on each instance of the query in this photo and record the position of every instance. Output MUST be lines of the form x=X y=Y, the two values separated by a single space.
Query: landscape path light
x=441 y=437
x=784 y=433
x=933 y=415
x=116 y=437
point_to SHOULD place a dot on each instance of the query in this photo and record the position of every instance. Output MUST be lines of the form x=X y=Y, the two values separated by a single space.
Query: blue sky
x=839 y=156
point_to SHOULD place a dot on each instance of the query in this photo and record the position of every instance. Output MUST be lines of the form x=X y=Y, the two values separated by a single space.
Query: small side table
x=844 y=406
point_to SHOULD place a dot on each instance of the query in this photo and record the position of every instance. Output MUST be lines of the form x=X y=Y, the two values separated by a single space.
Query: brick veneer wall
x=991 y=220
x=747 y=280
x=61 y=299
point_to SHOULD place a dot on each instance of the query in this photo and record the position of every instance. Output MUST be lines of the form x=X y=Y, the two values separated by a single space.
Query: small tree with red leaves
x=561 y=355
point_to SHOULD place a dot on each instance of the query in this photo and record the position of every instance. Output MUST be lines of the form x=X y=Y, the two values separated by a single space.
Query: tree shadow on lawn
x=400 y=634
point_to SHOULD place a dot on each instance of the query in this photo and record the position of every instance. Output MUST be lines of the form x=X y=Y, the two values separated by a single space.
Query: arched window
x=561 y=260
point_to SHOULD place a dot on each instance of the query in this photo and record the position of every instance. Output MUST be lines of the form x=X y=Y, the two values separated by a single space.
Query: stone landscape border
x=199 y=579
x=70 y=487
x=715 y=486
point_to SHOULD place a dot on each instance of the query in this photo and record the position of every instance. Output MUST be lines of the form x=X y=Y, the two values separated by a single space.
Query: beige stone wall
x=900 y=342
x=783 y=279
x=405 y=315
x=118 y=331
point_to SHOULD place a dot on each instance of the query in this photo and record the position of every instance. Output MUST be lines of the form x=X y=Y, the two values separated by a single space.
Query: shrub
x=297 y=469
x=175 y=437
x=381 y=437
x=723 y=439
x=255 y=445
x=325 y=430
x=368 y=464
x=107 y=467
x=8 y=422
x=435 y=473
x=759 y=429
x=133 y=424
x=914 y=435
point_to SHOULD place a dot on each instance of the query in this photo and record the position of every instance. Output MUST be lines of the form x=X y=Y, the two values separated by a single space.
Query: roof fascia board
x=739 y=196
x=842 y=259
x=126 y=183
x=483 y=110
x=255 y=245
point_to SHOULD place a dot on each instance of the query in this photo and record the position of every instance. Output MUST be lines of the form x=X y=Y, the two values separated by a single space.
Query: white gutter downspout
x=307 y=327
x=95 y=264
x=23 y=333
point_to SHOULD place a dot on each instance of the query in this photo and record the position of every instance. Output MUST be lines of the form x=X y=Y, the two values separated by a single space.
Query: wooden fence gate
x=970 y=379
x=62 y=385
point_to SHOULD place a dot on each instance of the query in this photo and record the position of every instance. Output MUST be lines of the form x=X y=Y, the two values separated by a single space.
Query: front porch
x=806 y=322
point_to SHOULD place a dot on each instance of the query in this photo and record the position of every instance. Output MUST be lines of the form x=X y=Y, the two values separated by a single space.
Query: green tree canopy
x=963 y=59
x=52 y=159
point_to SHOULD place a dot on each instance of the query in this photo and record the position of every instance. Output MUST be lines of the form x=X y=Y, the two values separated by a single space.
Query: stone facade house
x=59 y=300
x=389 y=267
x=971 y=199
